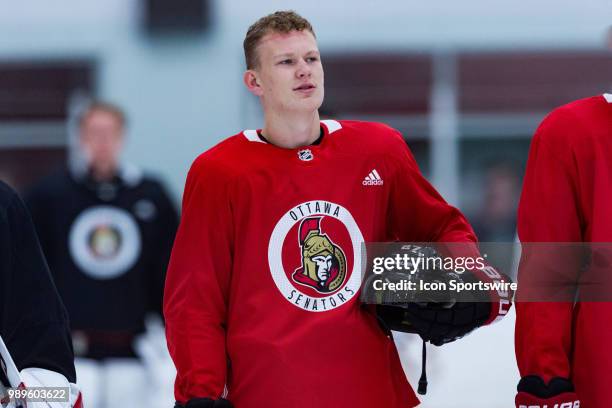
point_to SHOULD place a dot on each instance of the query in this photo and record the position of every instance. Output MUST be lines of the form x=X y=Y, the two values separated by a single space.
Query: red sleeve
x=417 y=211
x=420 y=214
x=548 y=212
x=197 y=284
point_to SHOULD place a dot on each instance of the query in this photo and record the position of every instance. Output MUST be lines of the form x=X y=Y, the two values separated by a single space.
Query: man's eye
x=287 y=61
x=312 y=59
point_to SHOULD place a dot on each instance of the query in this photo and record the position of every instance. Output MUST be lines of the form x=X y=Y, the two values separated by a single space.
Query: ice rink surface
x=477 y=371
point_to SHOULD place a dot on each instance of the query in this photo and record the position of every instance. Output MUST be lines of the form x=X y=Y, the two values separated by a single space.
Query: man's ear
x=252 y=82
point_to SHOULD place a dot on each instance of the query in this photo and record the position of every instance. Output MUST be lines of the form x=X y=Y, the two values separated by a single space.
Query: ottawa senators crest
x=104 y=242
x=315 y=256
x=323 y=262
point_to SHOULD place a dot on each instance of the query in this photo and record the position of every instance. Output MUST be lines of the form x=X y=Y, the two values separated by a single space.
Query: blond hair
x=278 y=22
x=102 y=106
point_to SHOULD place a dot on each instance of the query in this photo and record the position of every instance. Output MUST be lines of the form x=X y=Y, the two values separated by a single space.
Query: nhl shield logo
x=314 y=256
x=305 y=155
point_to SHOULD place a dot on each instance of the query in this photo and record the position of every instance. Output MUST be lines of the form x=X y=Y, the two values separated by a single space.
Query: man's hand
x=534 y=393
x=439 y=317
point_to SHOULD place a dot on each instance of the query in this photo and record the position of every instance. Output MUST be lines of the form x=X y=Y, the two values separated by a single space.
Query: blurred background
x=465 y=82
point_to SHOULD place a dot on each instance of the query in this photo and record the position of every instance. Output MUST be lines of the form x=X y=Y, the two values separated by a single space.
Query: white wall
x=466 y=23
x=185 y=94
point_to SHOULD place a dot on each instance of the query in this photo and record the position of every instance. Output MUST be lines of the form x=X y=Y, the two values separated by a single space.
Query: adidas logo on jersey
x=373 y=179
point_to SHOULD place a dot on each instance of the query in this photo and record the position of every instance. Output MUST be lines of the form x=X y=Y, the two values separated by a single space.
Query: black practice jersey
x=107 y=245
x=33 y=320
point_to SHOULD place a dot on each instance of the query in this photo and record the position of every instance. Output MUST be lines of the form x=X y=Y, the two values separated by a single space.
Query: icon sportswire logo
x=373 y=179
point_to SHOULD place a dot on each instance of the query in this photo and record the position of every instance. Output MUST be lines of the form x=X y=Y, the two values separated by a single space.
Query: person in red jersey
x=261 y=301
x=563 y=348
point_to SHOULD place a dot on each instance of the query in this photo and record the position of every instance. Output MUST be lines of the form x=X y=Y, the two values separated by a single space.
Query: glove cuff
x=205 y=403
x=533 y=392
x=564 y=400
x=501 y=300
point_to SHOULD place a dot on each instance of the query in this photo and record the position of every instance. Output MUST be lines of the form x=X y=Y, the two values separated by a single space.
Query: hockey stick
x=9 y=369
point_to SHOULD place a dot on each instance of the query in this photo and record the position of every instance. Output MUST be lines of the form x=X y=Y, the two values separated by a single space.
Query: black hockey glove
x=533 y=392
x=205 y=403
x=433 y=322
x=438 y=317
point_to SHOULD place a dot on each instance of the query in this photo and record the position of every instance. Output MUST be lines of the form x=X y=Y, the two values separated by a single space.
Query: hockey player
x=33 y=321
x=563 y=348
x=107 y=232
x=261 y=295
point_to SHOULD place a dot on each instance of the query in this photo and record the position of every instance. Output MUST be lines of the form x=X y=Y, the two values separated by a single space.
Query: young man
x=107 y=231
x=33 y=320
x=261 y=293
x=563 y=348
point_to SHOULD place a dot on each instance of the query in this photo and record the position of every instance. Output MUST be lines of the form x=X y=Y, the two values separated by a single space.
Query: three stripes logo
x=373 y=179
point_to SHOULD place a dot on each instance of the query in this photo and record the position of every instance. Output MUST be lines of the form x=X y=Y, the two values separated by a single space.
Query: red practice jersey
x=567 y=196
x=262 y=289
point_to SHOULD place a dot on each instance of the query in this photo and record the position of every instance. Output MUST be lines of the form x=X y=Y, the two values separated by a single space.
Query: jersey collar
x=329 y=126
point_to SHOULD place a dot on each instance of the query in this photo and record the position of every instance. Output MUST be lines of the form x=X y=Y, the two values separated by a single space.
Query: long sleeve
x=165 y=231
x=417 y=211
x=37 y=202
x=548 y=212
x=419 y=214
x=197 y=284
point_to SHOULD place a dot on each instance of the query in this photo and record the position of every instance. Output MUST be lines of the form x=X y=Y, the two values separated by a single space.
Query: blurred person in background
x=107 y=232
x=496 y=218
x=33 y=320
x=563 y=348
x=495 y=221
x=261 y=300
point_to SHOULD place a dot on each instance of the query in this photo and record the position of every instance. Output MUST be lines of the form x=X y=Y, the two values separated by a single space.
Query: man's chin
x=104 y=168
x=308 y=104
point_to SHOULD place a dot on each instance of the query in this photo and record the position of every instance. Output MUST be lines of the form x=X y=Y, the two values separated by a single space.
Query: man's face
x=102 y=140
x=289 y=73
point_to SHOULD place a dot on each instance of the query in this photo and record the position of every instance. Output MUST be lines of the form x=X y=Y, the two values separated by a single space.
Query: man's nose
x=303 y=70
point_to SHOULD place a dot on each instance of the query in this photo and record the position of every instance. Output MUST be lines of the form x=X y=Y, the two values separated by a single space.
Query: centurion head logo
x=314 y=255
x=323 y=262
